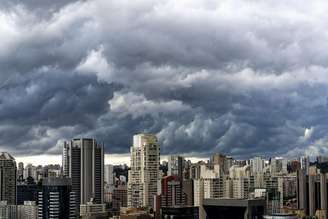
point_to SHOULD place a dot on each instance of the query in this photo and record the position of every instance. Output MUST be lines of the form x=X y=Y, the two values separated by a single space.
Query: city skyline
x=163 y=109
x=210 y=81
x=221 y=187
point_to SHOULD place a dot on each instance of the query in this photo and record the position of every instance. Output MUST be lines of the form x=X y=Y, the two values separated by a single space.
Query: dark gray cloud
x=205 y=76
x=43 y=8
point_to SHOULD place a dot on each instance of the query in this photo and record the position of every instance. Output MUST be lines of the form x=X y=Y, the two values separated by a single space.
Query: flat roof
x=234 y=202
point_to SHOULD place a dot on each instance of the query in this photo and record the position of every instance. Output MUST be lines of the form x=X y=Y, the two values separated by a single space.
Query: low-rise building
x=91 y=210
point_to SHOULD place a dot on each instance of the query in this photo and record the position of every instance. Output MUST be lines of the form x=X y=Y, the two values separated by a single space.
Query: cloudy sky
x=242 y=77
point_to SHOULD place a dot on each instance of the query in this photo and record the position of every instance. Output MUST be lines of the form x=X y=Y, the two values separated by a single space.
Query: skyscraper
x=257 y=164
x=109 y=174
x=311 y=194
x=175 y=166
x=56 y=199
x=83 y=162
x=305 y=163
x=27 y=191
x=8 y=178
x=144 y=172
x=171 y=192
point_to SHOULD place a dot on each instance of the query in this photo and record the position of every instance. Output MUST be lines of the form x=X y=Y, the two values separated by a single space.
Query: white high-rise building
x=241 y=187
x=144 y=172
x=278 y=165
x=257 y=164
x=199 y=196
x=214 y=188
x=214 y=172
x=109 y=174
x=109 y=181
x=27 y=211
x=239 y=172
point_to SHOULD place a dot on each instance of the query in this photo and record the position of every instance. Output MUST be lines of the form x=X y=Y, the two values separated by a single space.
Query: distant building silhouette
x=83 y=162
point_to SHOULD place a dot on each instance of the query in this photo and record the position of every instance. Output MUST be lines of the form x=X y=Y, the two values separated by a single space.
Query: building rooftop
x=234 y=202
x=6 y=156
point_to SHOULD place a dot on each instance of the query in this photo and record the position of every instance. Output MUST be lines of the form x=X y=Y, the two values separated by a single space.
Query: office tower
x=175 y=166
x=305 y=164
x=29 y=210
x=56 y=199
x=8 y=177
x=83 y=162
x=257 y=165
x=144 y=172
x=171 y=191
x=311 y=194
x=301 y=190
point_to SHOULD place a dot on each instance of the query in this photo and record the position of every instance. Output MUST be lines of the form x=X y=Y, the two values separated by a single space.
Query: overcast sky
x=241 y=77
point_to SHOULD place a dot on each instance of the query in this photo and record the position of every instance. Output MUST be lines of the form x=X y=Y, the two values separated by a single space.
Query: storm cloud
x=238 y=77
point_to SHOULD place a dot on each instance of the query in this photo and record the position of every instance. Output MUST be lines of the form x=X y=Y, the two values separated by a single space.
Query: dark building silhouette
x=83 y=162
x=27 y=191
x=56 y=199
x=180 y=212
x=312 y=193
x=188 y=191
x=8 y=178
x=234 y=208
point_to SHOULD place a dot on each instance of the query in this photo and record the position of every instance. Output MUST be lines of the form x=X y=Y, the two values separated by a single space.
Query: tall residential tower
x=144 y=172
